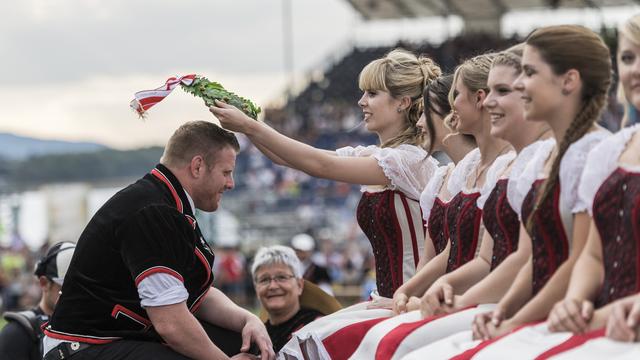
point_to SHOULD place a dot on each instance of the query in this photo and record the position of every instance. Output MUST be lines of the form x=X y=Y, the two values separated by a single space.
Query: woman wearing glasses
x=277 y=277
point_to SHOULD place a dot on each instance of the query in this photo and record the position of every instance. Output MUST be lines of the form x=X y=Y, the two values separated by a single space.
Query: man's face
x=217 y=179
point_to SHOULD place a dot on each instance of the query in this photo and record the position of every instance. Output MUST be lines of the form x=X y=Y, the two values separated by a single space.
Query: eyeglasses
x=279 y=279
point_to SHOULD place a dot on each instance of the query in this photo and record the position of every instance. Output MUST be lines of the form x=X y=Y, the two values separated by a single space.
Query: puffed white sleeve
x=601 y=162
x=357 y=151
x=572 y=166
x=408 y=168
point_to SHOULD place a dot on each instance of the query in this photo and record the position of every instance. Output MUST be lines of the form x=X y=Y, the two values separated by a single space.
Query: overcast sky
x=70 y=67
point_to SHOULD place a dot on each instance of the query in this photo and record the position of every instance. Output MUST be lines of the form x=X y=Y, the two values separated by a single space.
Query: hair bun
x=430 y=70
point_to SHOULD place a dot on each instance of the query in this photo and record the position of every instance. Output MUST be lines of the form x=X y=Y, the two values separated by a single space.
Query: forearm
x=423 y=279
x=428 y=254
x=540 y=305
x=273 y=157
x=467 y=275
x=586 y=279
x=519 y=292
x=219 y=310
x=495 y=285
x=183 y=333
x=294 y=153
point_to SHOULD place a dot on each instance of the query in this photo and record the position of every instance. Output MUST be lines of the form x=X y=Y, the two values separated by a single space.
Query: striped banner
x=145 y=99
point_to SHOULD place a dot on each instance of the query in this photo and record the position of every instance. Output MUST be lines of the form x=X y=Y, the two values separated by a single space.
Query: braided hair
x=566 y=47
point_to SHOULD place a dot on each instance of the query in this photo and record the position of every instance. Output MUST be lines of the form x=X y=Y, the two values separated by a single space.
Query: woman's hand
x=230 y=117
x=437 y=300
x=381 y=303
x=571 y=315
x=624 y=321
x=400 y=301
x=484 y=325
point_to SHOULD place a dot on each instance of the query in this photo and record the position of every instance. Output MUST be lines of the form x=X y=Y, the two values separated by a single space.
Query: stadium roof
x=473 y=12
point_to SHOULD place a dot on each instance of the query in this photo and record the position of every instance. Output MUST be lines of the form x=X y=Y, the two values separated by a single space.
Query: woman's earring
x=399 y=110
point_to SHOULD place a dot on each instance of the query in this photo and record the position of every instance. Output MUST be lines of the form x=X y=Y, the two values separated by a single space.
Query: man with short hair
x=21 y=338
x=140 y=284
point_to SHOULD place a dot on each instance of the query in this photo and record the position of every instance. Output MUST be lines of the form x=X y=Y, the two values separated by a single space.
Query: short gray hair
x=277 y=254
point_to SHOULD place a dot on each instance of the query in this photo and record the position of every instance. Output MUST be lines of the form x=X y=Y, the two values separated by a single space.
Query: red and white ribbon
x=145 y=99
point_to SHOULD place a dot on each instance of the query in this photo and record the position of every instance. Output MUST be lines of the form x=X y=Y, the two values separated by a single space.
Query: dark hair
x=567 y=47
x=436 y=99
x=197 y=138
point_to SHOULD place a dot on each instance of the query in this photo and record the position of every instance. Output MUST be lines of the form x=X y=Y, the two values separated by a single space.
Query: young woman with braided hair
x=608 y=269
x=565 y=81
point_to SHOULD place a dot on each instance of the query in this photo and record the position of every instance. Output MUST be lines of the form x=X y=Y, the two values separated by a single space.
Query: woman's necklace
x=481 y=169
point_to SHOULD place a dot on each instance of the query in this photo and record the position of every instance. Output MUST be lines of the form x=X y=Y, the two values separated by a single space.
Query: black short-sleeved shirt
x=16 y=343
x=281 y=333
x=146 y=228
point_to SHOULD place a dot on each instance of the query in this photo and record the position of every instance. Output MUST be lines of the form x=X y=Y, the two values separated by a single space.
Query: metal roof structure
x=477 y=14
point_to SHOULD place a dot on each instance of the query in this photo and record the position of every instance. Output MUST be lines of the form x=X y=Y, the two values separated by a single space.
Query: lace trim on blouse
x=408 y=167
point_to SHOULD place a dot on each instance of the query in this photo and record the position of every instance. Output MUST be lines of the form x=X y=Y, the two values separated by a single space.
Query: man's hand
x=436 y=300
x=624 y=321
x=571 y=315
x=255 y=332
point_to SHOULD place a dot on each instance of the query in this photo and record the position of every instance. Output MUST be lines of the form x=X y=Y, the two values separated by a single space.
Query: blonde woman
x=392 y=174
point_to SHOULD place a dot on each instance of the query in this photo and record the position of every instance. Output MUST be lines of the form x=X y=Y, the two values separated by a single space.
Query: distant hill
x=14 y=147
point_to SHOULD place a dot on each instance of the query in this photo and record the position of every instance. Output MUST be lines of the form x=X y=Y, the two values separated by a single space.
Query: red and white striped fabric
x=334 y=336
x=145 y=99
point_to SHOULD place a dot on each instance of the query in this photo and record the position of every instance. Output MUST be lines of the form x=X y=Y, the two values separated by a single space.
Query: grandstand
x=325 y=112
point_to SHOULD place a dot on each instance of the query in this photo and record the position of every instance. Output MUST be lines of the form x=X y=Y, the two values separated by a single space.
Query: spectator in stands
x=304 y=245
x=277 y=276
x=395 y=172
x=21 y=338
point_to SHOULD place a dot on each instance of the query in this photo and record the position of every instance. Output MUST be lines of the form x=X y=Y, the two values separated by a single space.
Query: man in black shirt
x=139 y=285
x=21 y=338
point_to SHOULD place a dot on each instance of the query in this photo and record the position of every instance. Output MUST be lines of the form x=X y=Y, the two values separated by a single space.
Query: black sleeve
x=15 y=342
x=157 y=239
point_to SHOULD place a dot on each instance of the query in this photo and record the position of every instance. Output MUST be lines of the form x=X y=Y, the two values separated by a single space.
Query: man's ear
x=43 y=281
x=197 y=166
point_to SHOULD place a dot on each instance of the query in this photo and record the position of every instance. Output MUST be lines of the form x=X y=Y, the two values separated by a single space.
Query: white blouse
x=493 y=175
x=601 y=162
x=431 y=191
x=526 y=155
x=465 y=167
x=408 y=167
